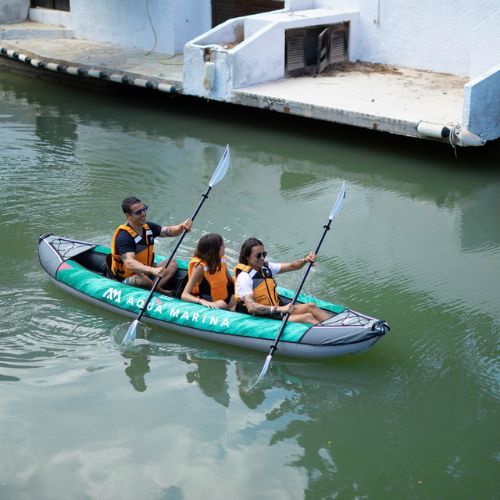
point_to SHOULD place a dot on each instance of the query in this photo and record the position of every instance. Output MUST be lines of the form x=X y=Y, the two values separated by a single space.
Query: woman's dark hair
x=246 y=249
x=208 y=249
x=128 y=202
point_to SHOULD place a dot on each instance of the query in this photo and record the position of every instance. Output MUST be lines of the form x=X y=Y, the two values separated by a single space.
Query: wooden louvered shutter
x=338 y=43
x=323 y=50
x=294 y=51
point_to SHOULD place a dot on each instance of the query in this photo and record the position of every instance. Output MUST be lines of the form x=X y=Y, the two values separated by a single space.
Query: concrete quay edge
x=328 y=114
x=75 y=69
x=63 y=63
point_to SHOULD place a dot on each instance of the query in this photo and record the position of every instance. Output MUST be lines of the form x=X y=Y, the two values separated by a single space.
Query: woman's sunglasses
x=141 y=211
x=260 y=255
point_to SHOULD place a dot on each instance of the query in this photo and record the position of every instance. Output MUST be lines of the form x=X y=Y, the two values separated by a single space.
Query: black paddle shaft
x=297 y=293
x=167 y=263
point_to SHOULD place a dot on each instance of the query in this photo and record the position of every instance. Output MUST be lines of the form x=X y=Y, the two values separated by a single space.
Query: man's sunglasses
x=260 y=255
x=141 y=211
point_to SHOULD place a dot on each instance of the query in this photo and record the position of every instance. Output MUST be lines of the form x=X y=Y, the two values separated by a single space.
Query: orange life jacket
x=264 y=286
x=214 y=284
x=145 y=256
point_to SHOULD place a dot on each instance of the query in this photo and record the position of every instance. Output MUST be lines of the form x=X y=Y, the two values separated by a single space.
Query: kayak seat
x=93 y=261
x=178 y=282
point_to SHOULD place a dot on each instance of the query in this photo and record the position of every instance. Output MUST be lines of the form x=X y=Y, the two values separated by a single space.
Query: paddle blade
x=340 y=201
x=131 y=334
x=222 y=167
x=265 y=368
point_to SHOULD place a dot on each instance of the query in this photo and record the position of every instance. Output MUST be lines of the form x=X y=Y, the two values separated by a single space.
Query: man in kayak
x=255 y=288
x=132 y=248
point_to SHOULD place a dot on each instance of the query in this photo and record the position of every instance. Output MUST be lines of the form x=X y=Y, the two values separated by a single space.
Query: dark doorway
x=315 y=48
x=222 y=10
x=51 y=4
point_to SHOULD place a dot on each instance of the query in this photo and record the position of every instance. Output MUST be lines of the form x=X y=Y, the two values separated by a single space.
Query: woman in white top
x=255 y=288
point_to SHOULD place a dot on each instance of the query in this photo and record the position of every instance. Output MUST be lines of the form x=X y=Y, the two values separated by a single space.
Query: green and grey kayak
x=79 y=268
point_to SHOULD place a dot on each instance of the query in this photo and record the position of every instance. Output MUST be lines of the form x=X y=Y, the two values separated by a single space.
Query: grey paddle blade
x=265 y=368
x=340 y=201
x=222 y=167
x=131 y=334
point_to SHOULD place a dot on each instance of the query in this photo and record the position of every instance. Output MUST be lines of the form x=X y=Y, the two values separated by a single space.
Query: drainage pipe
x=456 y=134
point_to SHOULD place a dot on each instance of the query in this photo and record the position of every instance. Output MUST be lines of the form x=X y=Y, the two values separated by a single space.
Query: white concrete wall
x=266 y=46
x=50 y=16
x=14 y=11
x=126 y=22
x=194 y=60
x=259 y=57
x=448 y=36
x=428 y=35
x=482 y=105
x=485 y=46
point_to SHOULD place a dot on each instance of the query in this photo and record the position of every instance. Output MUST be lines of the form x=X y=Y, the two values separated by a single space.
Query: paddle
x=217 y=176
x=335 y=210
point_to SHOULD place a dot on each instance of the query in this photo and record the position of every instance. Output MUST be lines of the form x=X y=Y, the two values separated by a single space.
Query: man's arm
x=138 y=267
x=177 y=229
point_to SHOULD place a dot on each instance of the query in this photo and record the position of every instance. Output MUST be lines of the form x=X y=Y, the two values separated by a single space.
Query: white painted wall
x=448 y=36
x=14 y=11
x=427 y=34
x=127 y=23
x=482 y=105
x=485 y=46
x=194 y=60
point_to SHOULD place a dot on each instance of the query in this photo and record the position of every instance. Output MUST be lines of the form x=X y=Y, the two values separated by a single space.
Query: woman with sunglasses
x=256 y=289
x=132 y=248
x=209 y=282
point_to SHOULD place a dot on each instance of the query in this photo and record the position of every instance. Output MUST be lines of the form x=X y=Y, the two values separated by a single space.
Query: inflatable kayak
x=79 y=267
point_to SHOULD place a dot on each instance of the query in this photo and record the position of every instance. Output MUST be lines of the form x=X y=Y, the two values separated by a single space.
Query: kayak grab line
x=88 y=71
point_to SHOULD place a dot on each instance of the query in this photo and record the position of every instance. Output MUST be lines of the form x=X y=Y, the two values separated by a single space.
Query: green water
x=417 y=243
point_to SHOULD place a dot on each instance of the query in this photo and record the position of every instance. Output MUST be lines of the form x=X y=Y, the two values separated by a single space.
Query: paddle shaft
x=167 y=263
x=297 y=293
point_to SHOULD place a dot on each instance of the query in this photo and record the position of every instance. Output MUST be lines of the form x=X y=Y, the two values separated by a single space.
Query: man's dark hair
x=128 y=202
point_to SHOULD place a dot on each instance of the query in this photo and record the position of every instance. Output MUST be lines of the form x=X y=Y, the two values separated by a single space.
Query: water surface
x=417 y=243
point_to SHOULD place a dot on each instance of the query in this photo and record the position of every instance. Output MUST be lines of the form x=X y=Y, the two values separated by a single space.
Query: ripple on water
x=40 y=336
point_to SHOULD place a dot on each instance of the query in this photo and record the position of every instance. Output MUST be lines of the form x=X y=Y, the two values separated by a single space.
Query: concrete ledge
x=82 y=71
x=329 y=114
x=377 y=97
x=50 y=16
x=32 y=30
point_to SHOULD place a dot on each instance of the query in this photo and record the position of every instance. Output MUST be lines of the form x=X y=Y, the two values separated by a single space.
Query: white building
x=458 y=37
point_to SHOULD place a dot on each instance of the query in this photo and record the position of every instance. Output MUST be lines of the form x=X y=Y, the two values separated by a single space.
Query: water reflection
x=210 y=374
x=479 y=236
x=58 y=129
x=138 y=367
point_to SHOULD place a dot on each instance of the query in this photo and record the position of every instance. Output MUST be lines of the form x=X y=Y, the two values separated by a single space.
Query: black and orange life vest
x=214 y=284
x=264 y=286
x=145 y=253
